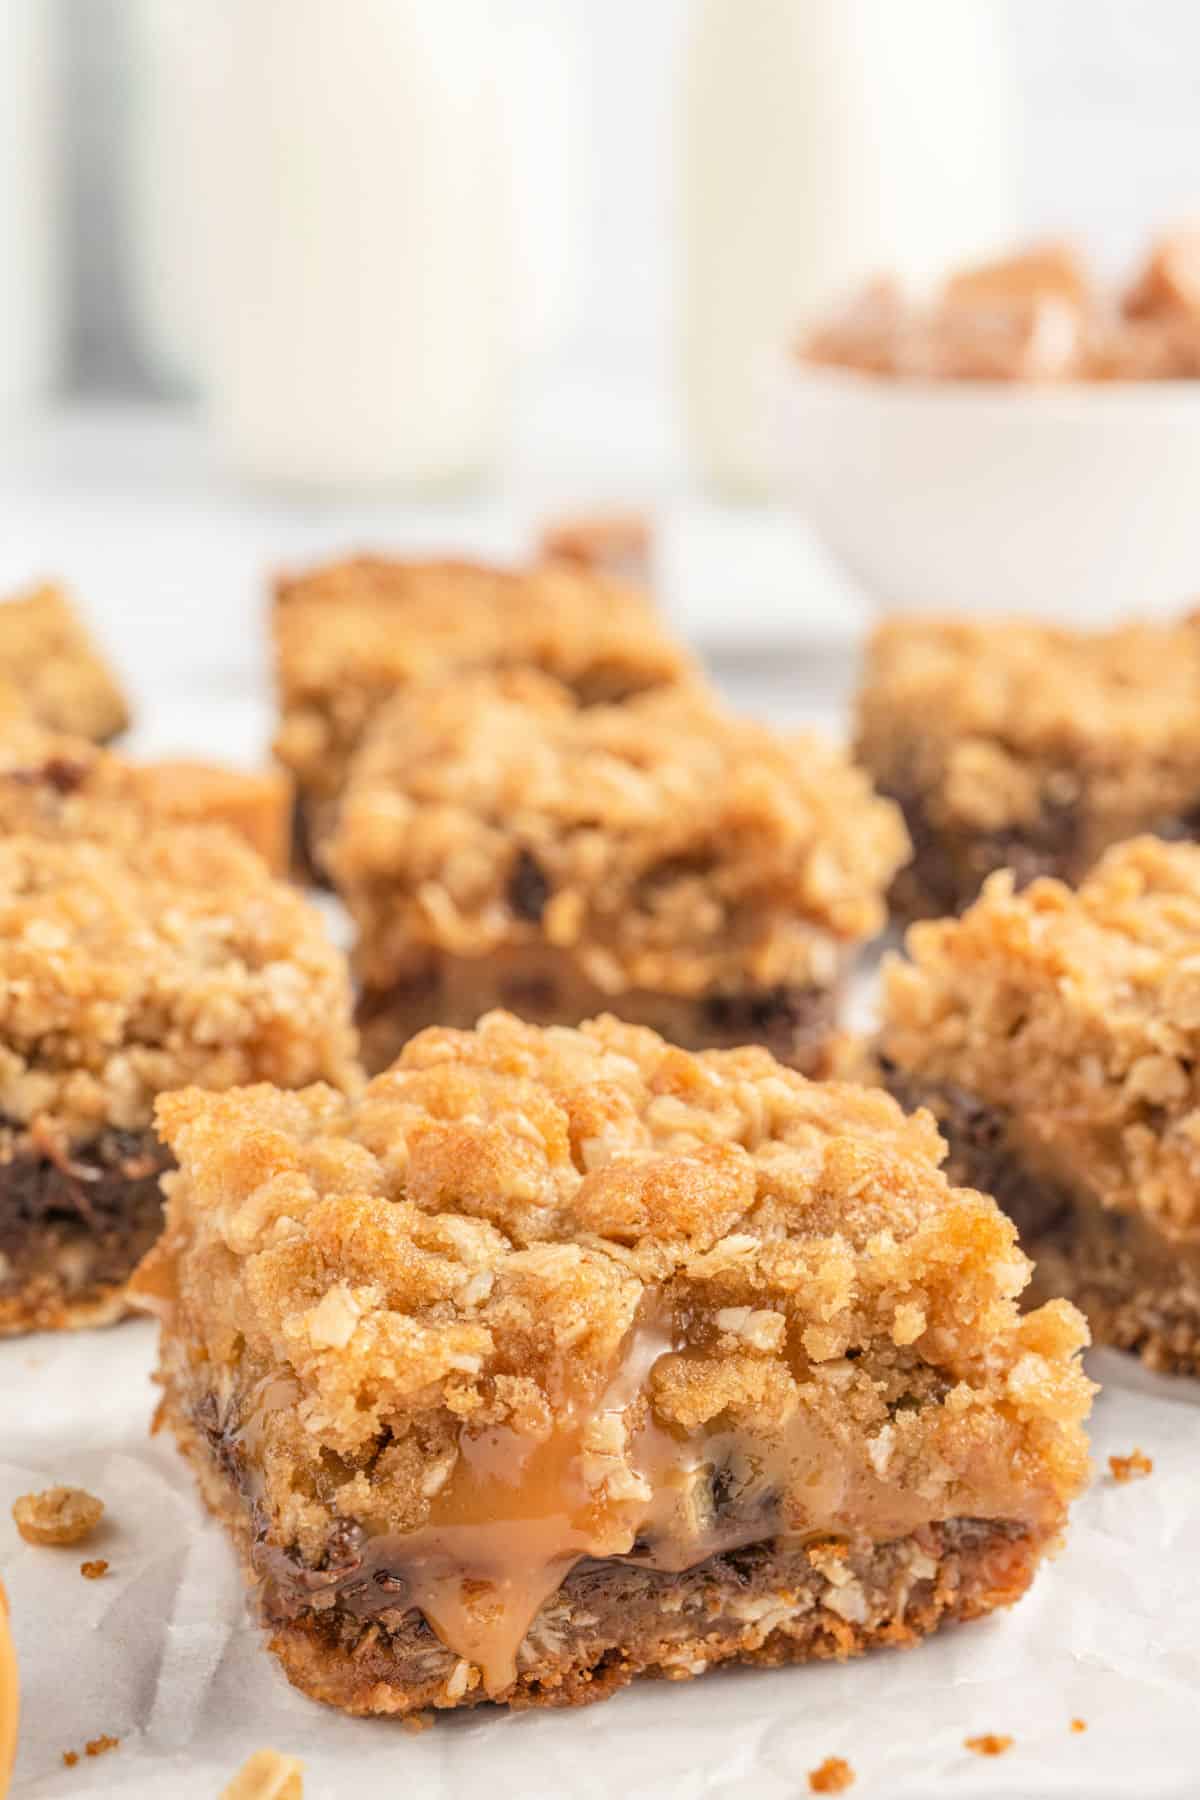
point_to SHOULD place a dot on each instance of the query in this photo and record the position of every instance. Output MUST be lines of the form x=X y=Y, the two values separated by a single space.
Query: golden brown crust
x=1078 y=1015
x=1035 y=316
x=474 y=1238
x=127 y=972
x=349 y=635
x=59 y=786
x=49 y=662
x=660 y=845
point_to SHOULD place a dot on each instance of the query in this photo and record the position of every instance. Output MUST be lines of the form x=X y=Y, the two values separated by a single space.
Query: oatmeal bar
x=48 y=659
x=125 y=971
x=1056 y=1036
x=564 y=1356
x=1013 y=744
x=348 y=636
x=66 y=787
x=500 y=843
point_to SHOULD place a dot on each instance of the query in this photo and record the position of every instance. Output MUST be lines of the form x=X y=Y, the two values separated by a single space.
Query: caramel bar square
x=1056 y=1036
x=127 y=969
x=1009 y=744
x=564 y=1356
x=502 y=844
x=49 y=662
x=349 y=635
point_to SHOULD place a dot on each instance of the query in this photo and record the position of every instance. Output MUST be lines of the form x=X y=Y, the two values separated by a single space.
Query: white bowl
x=1080 y=502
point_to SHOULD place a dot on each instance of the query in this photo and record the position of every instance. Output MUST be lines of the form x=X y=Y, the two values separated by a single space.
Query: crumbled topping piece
x=70 y=1758
x=58 y=1515
x=991 y=1743
x=662 y=844
x=99 y=1746
x=833 y=1777
x=768 y=1223
x=127 y=972
x=53 y=669
x=1078 y=1724
x=1076 y=1012
x=267 y=1775
x=1134 y=1467
x=94 y=1570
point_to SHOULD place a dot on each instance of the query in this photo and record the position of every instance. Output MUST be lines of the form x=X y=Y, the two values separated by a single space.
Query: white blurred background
x=530 y=235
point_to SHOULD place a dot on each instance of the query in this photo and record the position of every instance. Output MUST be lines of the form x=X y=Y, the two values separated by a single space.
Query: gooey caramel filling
x=613 y=1482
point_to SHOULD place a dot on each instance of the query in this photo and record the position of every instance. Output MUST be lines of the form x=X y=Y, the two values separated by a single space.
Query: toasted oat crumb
x=92 y=1571
x=58 y=1515
x=1078 y=1724
x=833 y=1777
x=1134 y=1467
x=70 y=1758
x=267 y=1775
x=98 y=1745
x=991 y=1743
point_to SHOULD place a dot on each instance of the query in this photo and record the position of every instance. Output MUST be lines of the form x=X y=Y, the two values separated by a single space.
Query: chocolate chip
x=528 y=887
x=58 y=772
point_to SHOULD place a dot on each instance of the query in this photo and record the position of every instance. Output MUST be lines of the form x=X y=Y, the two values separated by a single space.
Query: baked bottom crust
x=797 y=1024
x=72 y=1233
x=1139 y=1291
x=949 y=867
x=769 y=1603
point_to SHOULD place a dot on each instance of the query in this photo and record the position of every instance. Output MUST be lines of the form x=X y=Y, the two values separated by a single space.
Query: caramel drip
x=9 y=1697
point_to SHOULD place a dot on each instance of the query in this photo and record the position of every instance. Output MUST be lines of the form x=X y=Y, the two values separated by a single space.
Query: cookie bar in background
x=125 y=970
x=49 y=662
x=1010 y=744
x=1055 y=1034
x=64 y=787
x=500 y=843
x=564 y=1356
x=349 y=635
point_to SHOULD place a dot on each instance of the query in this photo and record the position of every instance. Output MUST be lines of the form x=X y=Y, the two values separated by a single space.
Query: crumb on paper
x=416 y=1722
x=70 y=1758
x=989 y=1743
x=833 y=1777
x=92 y=1571
x=1078 y=1724
x=267 y=1775
x=97 y=1746
x=58 y=1515
x=1134 y=1467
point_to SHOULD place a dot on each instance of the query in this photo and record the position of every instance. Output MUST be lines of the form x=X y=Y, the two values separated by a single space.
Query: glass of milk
x=825 y=141
x=360 y=332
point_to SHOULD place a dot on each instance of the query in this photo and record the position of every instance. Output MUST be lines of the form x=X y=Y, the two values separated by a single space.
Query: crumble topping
x=52 y=785
x=51 y=669
x=94 y=1570
x=58 y=1515
x=177 y=959
x=993 y=721
x=1078 y=1013
x=500 y=1221
x=990 y=1743
x=663 y=844
x=349 y=635
x=1036 y=316
x=833 y=1777
x=1134 y=1467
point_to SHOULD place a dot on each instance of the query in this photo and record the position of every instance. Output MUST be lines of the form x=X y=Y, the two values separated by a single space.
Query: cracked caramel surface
x=364 y=1298
x=992 y=722
x=661 y=844
x=126 y=971
x=1078 y=1014
x=350 y=634
x=50 y=668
